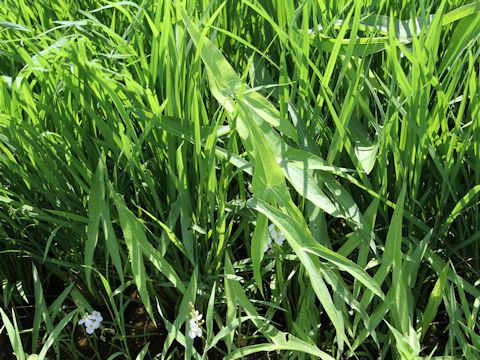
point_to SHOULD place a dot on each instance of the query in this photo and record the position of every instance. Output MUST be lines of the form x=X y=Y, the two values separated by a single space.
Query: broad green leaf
x=226 y=83
x=134 y=235
x=13 y=334
x=280 y=340
x=41 y=312
x=141 y=355
x=210 y=312
x=406 y=344
x=99 y=213
x=53 y=336
x=96 y=197
x=393 y=257
x=301 y=241
x=182 y=317
x=434 y=301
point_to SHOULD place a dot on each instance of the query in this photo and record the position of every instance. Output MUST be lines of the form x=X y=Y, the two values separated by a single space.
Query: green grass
x=146 y=147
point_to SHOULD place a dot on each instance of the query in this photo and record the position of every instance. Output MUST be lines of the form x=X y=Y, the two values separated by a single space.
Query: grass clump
x=154 y=156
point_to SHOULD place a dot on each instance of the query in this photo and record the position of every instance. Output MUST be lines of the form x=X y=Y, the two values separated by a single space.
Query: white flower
x=195 y=330
x=272 y=230
x=91 y=321
x=195 y=322
x=84 y=319
x=197 y=316
x=280 y=238
x=276 y=235
x=96 y=316
x=90 y=328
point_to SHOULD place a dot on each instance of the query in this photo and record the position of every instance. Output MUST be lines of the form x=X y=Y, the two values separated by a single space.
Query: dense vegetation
x=155 y=154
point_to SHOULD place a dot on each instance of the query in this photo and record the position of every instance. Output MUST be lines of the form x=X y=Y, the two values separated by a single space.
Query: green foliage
x=146 y=147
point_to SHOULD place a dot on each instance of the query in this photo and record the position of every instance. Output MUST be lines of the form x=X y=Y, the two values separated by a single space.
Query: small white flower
x=275 y=235
x=91 y=321
x=95 y=315
x=195 y=330
x=194 y=323
x=272 y=230
x=280 y=238
x=197 y=315
x=90 y=328
x=84 y=319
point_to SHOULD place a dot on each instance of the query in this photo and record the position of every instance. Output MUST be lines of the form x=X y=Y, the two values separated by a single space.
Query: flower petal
x=279 y=241
x=192 y=334
x=97 y=316
x=193 y=323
